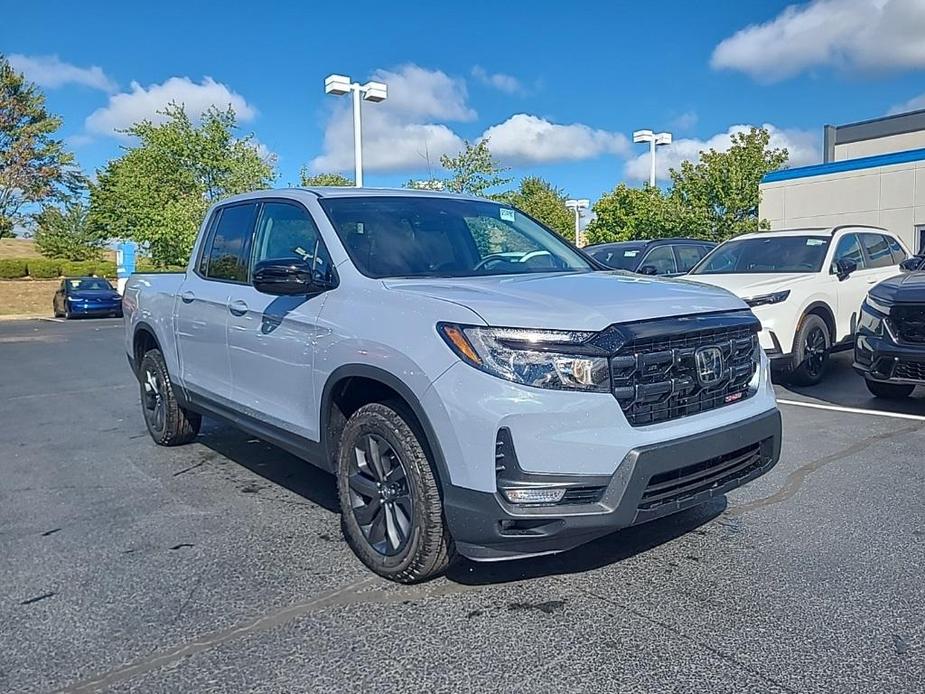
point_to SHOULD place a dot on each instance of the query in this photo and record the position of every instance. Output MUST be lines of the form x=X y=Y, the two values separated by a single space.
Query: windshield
x=89 y=284
x=441 y=237
x=621 y=257
x=767 y=254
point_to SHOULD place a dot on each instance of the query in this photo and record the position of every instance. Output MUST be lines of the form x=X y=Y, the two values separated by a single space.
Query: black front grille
x=909 y=323
x=910 y=370
x=583 y=495
x=677 y=485
x=655 y=376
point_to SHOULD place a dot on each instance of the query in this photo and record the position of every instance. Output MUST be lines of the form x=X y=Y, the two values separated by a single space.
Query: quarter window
x=849 y=249
x=877 y=249
x=227 y=256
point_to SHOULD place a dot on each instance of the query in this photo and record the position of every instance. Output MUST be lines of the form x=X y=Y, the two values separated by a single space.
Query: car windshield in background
x=444 y=237
x=89 y=284
x=622 y=257
x=766 y=254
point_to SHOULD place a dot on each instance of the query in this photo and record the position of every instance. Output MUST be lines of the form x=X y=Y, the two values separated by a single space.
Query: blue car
x=86 y=296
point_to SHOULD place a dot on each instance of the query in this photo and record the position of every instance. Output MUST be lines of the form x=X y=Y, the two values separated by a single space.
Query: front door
x=271 y=339
x=202 y=307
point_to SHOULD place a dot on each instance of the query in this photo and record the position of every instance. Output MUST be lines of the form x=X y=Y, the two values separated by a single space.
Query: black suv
x=656 y=257
x=889 y=351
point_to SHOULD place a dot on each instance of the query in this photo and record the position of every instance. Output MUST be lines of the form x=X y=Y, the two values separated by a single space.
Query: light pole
x=577 y=206
x=371 y=91
x=654 y=140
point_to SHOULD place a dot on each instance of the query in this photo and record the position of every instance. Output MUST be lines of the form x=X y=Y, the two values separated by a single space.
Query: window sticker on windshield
x=507 y=215
x=814 y=242
x=630 y=254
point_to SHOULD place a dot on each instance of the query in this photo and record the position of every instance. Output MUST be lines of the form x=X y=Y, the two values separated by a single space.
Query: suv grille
x=910 y=370
x=909 y=322
x=658 y=376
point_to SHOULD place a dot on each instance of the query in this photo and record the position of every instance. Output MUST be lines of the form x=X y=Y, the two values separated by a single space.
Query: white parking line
x=852 y=410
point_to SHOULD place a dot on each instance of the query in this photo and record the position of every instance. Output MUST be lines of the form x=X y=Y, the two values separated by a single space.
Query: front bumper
x=650 y=482
x=879 y=358
x=80 y=308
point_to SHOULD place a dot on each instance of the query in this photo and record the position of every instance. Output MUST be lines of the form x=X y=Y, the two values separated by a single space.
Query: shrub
x=105 y=268
x=43 y=269
x=13 y=268
x=79 y=268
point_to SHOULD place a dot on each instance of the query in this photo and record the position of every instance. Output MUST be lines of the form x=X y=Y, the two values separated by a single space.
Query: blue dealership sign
x=125 y=259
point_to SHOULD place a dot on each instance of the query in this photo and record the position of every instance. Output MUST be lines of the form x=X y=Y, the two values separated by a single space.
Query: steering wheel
x=493 y=258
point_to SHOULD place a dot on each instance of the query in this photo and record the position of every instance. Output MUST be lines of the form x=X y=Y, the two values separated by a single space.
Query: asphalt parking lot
x=219 y=566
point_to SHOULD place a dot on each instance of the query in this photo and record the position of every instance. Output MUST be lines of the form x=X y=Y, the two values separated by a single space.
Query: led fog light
x=533 y=496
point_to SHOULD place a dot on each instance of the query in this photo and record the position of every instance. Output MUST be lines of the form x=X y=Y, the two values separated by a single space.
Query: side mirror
x=648 y=270
x=288 y=277
x=844 y=268
x=911 y=264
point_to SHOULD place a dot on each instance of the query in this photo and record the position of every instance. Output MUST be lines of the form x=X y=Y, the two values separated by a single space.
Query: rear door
x=271 y=339
x=879 y=256
x=202 y=306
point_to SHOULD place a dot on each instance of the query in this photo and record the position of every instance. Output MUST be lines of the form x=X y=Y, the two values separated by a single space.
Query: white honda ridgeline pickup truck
x=476 y=385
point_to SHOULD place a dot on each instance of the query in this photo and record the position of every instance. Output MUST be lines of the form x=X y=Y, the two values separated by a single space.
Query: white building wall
x=892 y=197
x=880 y=145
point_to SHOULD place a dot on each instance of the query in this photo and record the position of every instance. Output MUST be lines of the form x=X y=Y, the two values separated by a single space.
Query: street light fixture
x=654 y=140
x=578 y=206
x=339 y=85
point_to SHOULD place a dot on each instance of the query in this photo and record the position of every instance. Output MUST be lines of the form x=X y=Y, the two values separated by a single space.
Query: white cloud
x=523 y=138
x=802 y=145
x=916 y=103
x=685 y=121
x=141 y=103
x=850 y=34
x=498 y=80
x=50 y=71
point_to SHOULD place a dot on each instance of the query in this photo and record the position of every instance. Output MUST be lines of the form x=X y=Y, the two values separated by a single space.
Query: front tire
x=391 y=511
x=810 y=351
x=889 y=391
x=167 y=422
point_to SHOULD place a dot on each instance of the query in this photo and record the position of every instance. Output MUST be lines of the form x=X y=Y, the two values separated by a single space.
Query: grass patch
x=25 y=248
x=33 y=297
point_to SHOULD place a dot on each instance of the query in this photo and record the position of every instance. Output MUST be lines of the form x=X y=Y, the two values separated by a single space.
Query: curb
x=24 y=316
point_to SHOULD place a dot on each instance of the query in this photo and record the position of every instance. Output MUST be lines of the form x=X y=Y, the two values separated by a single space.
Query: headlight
x=766 y=299
x=877 y=305
x=555 y=359
x=875 y=317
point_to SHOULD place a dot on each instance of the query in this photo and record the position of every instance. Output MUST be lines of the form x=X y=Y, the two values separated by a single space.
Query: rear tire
x=168 y=423
x=889 y=391
x=391 y=511
x=811 y=347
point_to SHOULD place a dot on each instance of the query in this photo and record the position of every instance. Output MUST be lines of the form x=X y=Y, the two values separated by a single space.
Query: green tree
x=474 y=170
x=323 y=179
x=543 y=201
x=629 y=213
x=34 y=166
x=158 y=191
x=64 y=232
x=723 y=186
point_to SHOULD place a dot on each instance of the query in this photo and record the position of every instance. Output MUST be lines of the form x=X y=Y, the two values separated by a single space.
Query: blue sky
x=559 y=87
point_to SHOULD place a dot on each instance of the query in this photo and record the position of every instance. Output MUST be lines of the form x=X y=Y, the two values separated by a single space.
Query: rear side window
x=896 y=250
x=662 y=259
x=849 y=248
x=688 y=256
x=226 y=258
x=877 y=249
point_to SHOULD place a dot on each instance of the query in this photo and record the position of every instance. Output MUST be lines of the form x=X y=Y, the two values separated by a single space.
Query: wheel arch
x=825 y=312
x=144 y=339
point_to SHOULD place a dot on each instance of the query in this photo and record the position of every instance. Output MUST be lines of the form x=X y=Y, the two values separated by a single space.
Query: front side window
x=287 y=231
x=419 y=236
x=226 y=258
x=878 y=250
x=849 y=248
x=766 y=254
x=688 y=256
x=662 y=259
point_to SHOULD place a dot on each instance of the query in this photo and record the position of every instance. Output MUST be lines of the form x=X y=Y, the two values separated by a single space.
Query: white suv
x=805 y=285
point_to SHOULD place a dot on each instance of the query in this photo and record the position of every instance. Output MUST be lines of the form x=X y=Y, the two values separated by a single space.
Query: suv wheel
x=890 y=391
x=810 y=351
x=391 y=512
x=167 y=422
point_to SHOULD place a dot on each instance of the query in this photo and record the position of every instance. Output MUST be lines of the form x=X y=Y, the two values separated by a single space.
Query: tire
x=67 y=313
x=391 y=511
x=167 y=422
x=889 y=391
x=811 y=347
x=55 y=311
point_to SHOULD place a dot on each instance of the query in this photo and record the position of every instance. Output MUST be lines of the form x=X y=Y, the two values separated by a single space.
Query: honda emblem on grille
x=710 y=368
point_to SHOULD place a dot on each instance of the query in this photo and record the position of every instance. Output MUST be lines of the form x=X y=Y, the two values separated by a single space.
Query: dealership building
x=873 y=173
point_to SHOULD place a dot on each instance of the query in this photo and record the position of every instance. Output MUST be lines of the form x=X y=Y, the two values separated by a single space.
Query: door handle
x=187 y=297
x=237 y=308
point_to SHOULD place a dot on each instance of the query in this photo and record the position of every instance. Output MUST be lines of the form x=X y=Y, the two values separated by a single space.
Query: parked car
x=474 y=383
x=890 y=348
x=667 y=257
x=86 y=296
x=806 y=286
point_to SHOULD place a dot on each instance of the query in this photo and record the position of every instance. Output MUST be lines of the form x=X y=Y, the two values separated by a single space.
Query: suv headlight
x=875 y=317
x=766 y=299
x=555 y=359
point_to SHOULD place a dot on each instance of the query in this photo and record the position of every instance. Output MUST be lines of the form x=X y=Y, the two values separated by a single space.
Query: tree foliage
x=65 y=232
x=323 y=179
x=544 y=202
x=158 y=191
x=474 y=170
x=643 y=213
x=34 y=166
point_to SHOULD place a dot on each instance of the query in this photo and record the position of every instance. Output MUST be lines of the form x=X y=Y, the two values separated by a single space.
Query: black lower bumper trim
x=877 y=358
x=681 y=473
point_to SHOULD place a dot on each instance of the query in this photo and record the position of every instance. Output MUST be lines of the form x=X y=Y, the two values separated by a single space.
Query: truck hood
x=909 y=288
x=751 y=285
x=579 y=301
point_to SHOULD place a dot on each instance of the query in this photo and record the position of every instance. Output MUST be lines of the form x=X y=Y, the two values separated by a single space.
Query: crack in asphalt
x=795 y=479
